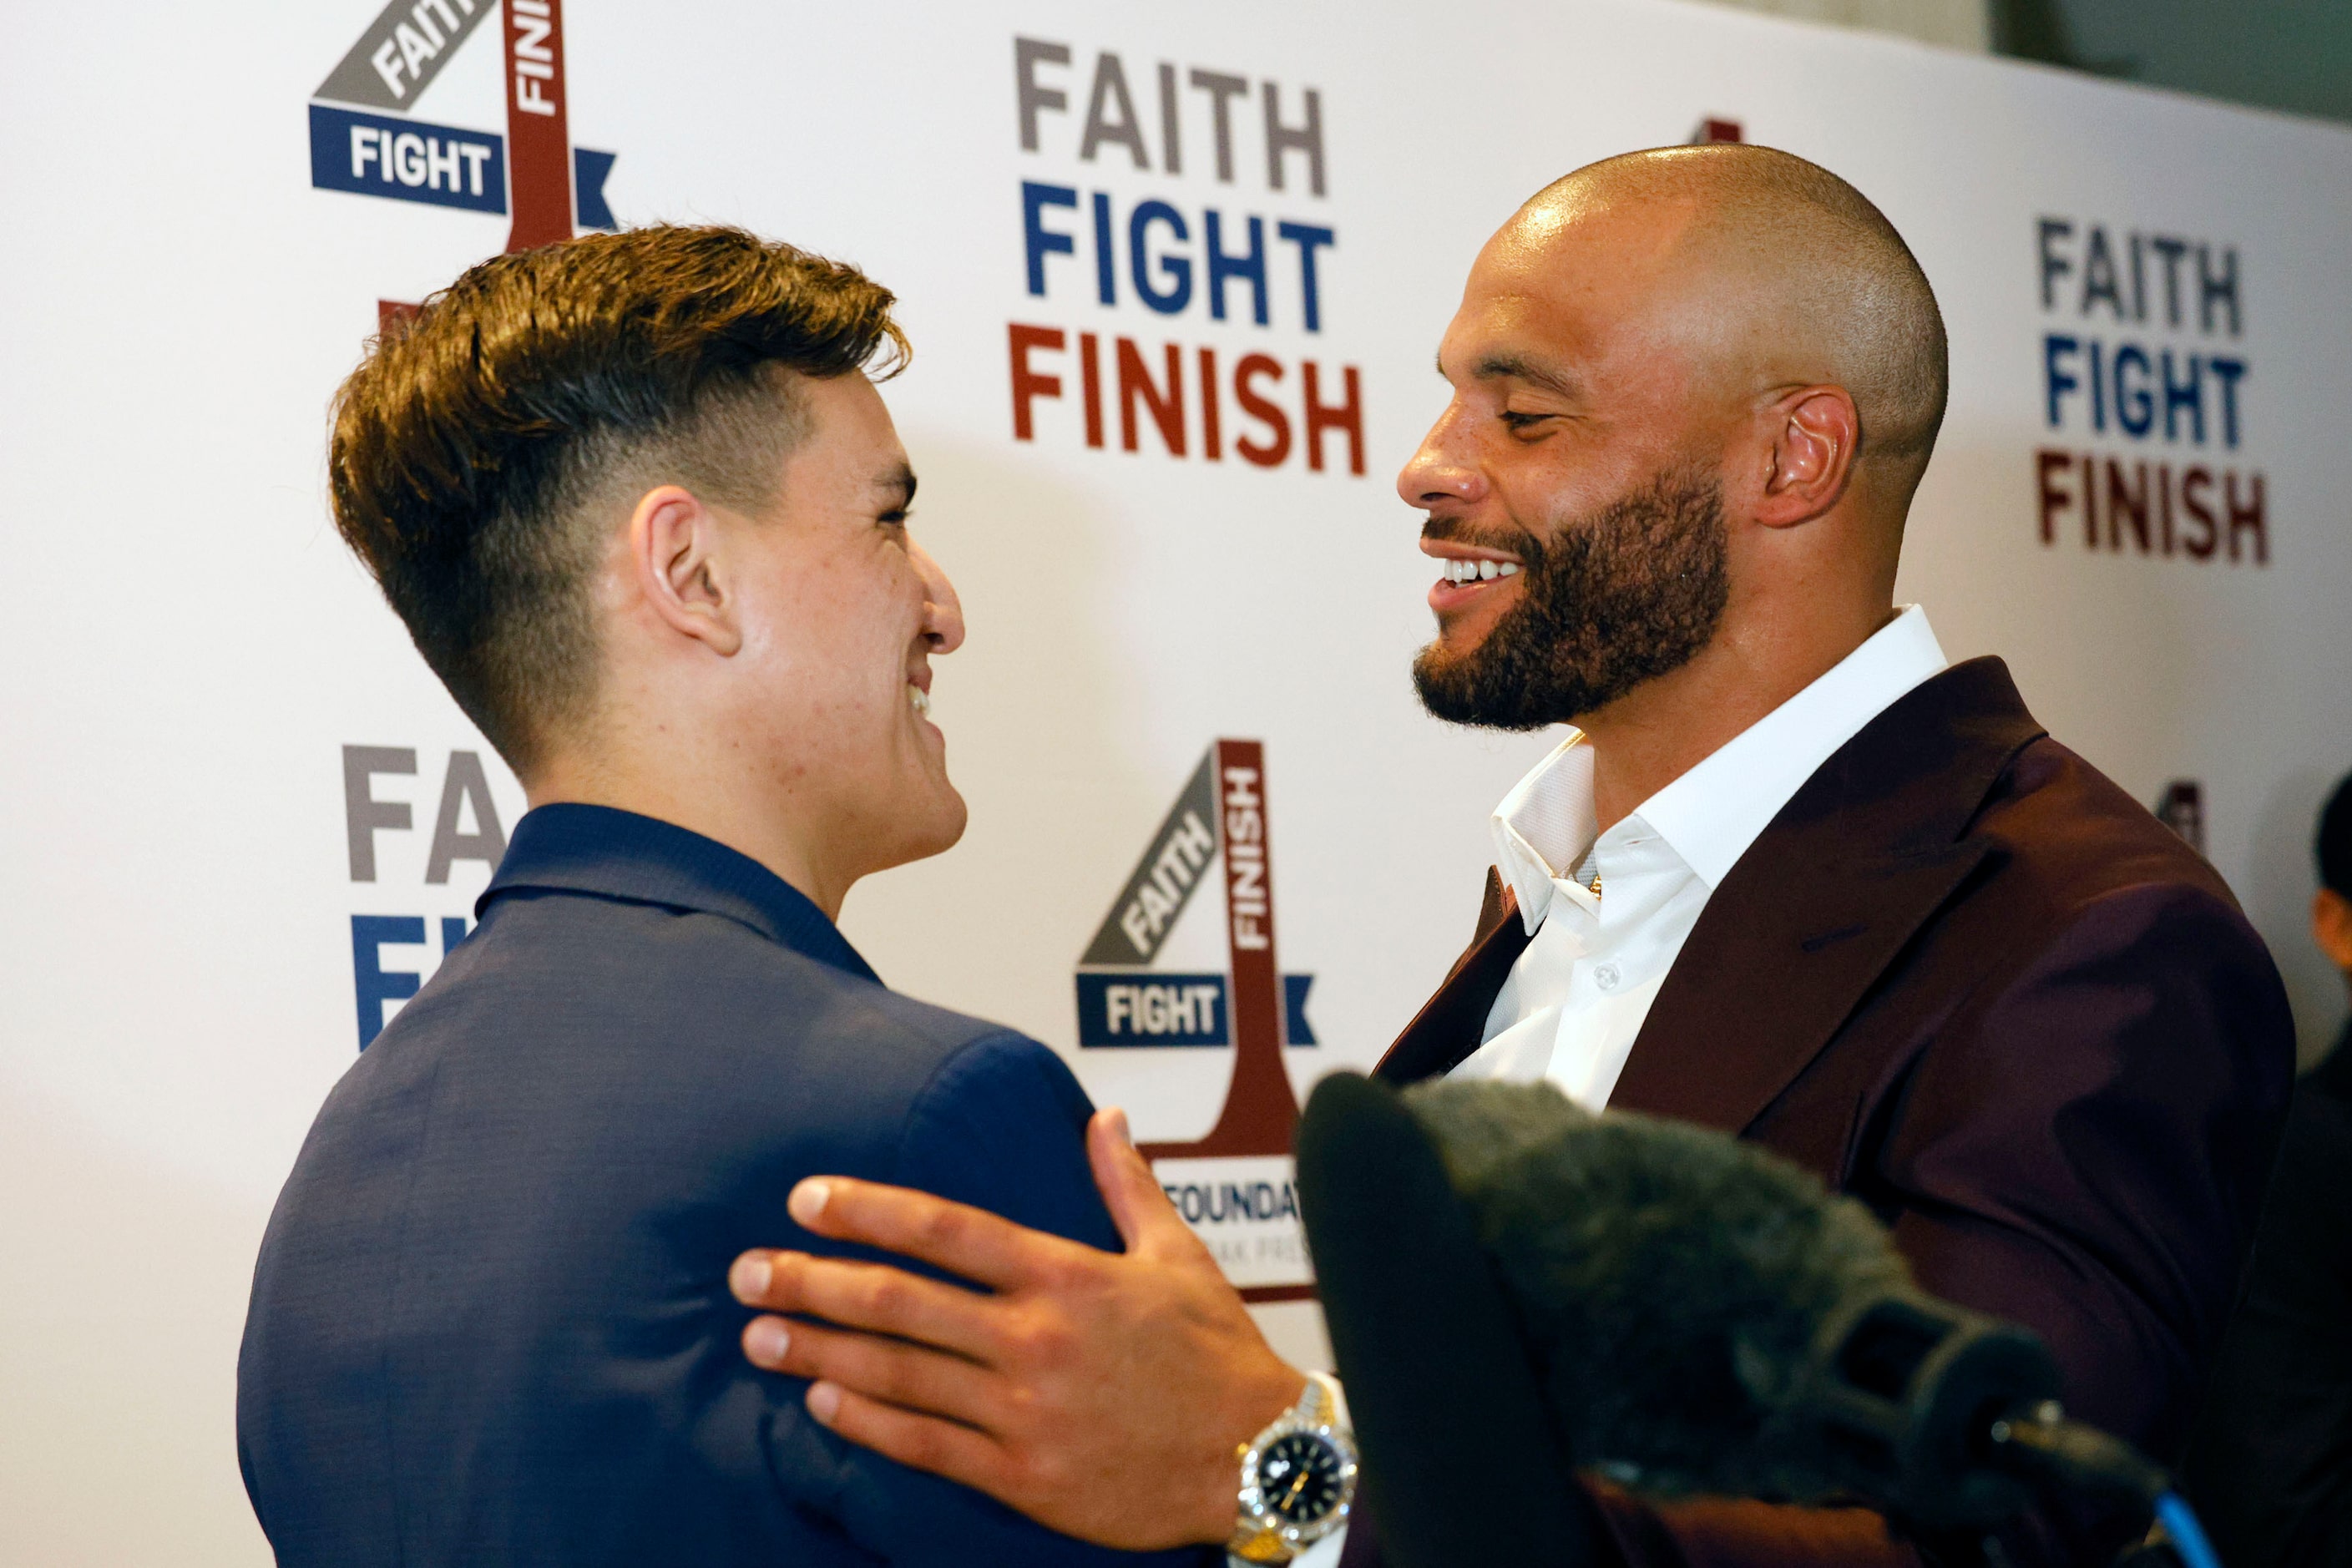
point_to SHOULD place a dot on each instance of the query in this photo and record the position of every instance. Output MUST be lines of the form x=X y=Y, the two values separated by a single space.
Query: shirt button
x=1607 y=976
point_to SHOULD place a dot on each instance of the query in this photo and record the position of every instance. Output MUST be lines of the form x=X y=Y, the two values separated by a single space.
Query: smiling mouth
x=918 y=700
x=1477 y=571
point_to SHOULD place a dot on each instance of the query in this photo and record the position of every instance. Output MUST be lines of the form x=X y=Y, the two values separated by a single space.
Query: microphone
x=1696 y=1316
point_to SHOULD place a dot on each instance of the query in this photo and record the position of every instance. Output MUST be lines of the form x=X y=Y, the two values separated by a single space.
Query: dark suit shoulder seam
x=921 y=1099
x=2162 y=890
x=2018 y=959
x=2001 y=776
x=939 y=1069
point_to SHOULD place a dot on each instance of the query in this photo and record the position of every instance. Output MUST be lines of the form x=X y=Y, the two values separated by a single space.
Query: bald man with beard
x=1790 y=874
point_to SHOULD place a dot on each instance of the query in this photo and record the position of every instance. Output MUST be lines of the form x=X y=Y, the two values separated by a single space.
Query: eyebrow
x=1516 y=367
x=902 y=480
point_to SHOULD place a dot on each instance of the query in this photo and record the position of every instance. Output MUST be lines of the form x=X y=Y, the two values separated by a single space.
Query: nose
x=942 y=611
x=1440 y=471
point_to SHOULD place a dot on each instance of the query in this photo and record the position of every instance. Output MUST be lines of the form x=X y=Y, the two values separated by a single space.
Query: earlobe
x=674 y=555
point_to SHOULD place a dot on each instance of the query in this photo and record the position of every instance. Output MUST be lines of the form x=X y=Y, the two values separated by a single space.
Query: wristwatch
x=1298 y=1479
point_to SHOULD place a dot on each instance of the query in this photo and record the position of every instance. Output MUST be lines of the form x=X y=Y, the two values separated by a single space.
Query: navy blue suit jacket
x=490 y=1322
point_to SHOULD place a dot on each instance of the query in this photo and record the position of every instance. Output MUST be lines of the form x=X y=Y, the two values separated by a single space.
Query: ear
x=1814 y=431
x=2331 y=927
x=674 y=558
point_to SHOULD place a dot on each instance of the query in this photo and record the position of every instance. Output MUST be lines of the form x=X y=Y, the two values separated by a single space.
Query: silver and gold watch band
x=1261 y=1536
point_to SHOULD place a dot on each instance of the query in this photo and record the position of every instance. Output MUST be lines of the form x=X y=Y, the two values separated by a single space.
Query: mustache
x=1519 y=541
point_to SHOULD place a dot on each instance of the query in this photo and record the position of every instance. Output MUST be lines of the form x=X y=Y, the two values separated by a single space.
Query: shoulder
x=993 y=1064
x=2333 y=1075
x=573 y=983
x=2081 y=917
x=676 y=1043
x=2064 y=839
x=1960 y=758
x=1001 y=1124
x=2092 y=934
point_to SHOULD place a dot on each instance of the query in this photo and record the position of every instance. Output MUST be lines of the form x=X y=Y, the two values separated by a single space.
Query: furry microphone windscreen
x=1672 y=1280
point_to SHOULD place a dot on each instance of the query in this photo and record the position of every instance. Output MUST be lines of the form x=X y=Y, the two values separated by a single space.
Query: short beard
x=1623 y=595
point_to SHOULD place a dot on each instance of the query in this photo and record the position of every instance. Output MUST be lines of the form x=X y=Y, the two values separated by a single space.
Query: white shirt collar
x=1713 y=813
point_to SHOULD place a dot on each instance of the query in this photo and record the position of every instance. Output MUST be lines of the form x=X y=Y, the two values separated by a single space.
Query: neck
x=692 y=793
x=1669 y=724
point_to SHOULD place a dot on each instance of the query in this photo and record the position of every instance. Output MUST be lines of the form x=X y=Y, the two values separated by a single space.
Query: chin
x=936 y=825
x=953 y=817
x=1460 y=631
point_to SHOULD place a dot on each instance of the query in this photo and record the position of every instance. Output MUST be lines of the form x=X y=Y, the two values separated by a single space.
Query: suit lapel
x=1756 y=992
x=1453 y=1023
x=1824 y=901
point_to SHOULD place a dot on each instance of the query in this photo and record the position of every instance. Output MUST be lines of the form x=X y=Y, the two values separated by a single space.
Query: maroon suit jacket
x=1966 y=979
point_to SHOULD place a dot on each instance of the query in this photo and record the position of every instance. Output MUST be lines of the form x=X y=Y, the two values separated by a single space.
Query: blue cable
x=2180 y=1521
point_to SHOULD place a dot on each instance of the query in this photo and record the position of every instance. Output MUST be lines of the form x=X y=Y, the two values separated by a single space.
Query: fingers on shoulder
x=956 y=1236
x=918 y=1441
x=908 y=1375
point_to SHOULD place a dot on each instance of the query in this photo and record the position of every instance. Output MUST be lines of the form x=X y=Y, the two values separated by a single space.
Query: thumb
x=1129 y=1191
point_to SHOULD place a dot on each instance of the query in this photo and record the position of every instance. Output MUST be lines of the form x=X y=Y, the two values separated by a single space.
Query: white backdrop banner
x=1175 y=276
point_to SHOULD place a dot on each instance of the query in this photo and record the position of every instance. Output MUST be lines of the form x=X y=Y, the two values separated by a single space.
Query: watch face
x=1298 y=1477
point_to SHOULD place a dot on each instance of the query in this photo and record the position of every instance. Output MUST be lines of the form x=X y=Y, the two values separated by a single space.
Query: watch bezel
x=1258 y=1511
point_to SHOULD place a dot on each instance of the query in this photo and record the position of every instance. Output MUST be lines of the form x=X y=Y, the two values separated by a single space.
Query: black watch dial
x=1298 y=1477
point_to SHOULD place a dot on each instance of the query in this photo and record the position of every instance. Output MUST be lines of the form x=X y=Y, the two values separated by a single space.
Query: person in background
x=2271 y=1465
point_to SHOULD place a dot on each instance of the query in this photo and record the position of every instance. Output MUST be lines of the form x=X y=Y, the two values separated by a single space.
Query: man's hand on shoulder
x=1101 y=1393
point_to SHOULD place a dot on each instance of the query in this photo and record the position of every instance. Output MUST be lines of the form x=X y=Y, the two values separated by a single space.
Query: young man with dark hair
x=645 y=515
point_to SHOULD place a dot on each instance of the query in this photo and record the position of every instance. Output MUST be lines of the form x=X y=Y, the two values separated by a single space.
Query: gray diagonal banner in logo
x=1165 y=879
x=402 y=51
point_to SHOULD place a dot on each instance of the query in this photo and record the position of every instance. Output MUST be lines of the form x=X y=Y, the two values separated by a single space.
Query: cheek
x=874 y=633
x=1526 y=473
x=841 y=626
x=1553 y=487
x=1540 y=497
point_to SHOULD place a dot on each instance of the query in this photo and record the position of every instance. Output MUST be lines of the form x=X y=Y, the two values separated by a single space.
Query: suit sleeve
x=2085 y=1152
x=1001 y=1126
x=2082 y=1149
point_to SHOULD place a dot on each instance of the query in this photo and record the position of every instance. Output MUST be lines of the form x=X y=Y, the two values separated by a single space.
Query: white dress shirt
x=1577 y=996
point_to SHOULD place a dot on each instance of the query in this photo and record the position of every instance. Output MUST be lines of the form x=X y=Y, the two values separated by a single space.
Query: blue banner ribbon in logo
x=407 y=160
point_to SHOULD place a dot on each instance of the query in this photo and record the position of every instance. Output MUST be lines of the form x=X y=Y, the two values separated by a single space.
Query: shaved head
x=1824 y=288
x=1693 y=392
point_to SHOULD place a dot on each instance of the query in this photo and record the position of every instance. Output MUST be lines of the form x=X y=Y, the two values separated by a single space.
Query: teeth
x=1479 y=571
x=919 y=699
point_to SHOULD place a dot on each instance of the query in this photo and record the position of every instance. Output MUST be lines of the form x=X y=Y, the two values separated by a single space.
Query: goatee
x=1623 y=595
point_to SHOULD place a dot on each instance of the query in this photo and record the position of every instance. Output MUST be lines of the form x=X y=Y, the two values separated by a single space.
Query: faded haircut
x=480 y=449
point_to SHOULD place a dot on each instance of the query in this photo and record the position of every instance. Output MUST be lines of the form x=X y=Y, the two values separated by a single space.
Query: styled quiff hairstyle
x=482 y=450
